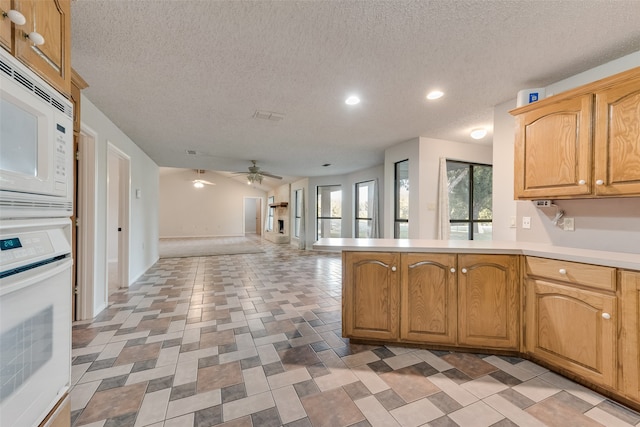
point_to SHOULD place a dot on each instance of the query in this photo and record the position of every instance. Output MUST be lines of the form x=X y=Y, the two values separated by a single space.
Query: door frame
x=86 y=230
x=258 y=212
x=124 y=215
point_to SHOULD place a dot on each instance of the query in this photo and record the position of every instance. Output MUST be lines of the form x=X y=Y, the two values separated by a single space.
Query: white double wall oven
x=36 y=202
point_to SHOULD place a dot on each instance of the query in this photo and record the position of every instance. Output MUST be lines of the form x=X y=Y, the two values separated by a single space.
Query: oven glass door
x=35 y=342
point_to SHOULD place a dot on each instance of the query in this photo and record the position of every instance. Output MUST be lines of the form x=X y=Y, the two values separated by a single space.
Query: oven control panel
x=23 y=247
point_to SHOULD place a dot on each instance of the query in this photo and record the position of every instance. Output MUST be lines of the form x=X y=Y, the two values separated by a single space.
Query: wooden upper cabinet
x=488 y=301
x=5 y=26
x=51 y=60
x=553 y=150
x=581 y=143
x=428 y=306
x=370 y=295
x=617 y=148
x=630 y=333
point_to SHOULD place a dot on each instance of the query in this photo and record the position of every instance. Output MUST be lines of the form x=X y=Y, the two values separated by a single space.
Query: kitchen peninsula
x=572 y=310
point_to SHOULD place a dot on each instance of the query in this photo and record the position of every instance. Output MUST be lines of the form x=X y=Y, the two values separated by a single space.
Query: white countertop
x=610 y=259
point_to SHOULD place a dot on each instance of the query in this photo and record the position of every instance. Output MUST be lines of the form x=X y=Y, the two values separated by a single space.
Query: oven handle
x=41 y=274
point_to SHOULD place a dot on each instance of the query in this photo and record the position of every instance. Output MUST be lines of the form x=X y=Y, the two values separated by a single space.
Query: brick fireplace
x=280 y=231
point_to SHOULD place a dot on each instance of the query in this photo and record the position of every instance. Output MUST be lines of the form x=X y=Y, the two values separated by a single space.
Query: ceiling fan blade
x=270 y=175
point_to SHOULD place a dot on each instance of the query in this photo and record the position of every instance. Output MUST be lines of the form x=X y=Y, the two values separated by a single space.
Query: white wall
x=504 y=205
x=214 y=210
x=143 y=232
x=601 y=224
x=424 y=170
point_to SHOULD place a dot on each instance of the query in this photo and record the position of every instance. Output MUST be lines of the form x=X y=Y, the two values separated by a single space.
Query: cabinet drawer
x=595 y=276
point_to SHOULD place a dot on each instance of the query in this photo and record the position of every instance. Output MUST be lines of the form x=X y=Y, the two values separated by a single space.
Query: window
x=364 y=208
x=272 y=210
x=329 y=211
x=470 y=200
x=401 y=197
x=297 y=213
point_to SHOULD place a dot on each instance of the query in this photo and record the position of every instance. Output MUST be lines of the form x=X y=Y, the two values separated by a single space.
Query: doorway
x=118 y=178
x=253 y=215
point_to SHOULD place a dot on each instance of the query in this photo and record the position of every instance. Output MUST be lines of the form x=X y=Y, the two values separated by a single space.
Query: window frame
x=270 y=213
x=397 y=221
x=470 y=222
x=356 y=229
x=318 y=216
x=297 y=215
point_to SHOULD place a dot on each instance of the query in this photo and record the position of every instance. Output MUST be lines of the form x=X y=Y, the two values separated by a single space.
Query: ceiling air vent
x=191 y=152
x=268 y=115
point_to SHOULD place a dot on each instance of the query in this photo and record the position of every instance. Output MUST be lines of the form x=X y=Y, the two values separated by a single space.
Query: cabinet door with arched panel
x=488 y=301
x=51 y=59
x=428 y=304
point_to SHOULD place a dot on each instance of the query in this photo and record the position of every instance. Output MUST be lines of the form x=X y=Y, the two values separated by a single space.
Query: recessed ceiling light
x=435 y=94
x=352 y=100
x=478 y=133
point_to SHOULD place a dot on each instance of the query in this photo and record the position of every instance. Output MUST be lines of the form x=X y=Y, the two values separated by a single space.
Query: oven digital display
x=6 y=244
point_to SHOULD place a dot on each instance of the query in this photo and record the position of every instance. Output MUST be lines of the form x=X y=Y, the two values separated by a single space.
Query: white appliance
x=527 y=96
x=36 y=145
x=35 y=318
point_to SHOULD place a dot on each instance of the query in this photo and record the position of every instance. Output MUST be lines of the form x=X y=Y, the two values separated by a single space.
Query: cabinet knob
x=36 y=38
x=393 y=268
x=562 y=271
x=582 y=182
x=606 y=316
x=15 y=17
x=453 y=270
x=599 y=182
x=464 y=271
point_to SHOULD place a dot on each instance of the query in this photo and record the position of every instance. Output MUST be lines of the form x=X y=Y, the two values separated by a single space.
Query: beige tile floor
x=254 y=340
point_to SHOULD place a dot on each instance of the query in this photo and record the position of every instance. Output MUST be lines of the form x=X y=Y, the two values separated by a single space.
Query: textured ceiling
x=176 y=75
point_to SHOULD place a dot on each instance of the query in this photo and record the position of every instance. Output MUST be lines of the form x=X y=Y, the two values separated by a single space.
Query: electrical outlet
x=568 y=224
x=526 y=222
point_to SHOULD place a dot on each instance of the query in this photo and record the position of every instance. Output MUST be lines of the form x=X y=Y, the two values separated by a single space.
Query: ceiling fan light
x=478 y=133
x=198 y=184
x=435 y=94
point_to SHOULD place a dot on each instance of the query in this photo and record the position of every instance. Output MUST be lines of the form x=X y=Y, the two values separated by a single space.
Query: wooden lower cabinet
x=488 y=301
x=630 y=334
x=573 y=329
x=370 y=295
x=425 y=298
x=428 y=306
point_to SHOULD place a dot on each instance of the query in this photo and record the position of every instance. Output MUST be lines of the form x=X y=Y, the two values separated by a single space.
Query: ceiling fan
x=198 y=182
x=256 y=175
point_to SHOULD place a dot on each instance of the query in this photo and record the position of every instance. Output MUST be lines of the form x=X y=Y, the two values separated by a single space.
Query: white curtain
x=443 y=202
x=302 y=238
x=375 y=216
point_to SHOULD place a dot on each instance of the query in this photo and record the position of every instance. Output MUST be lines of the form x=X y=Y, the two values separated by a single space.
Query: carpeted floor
x=208 y=246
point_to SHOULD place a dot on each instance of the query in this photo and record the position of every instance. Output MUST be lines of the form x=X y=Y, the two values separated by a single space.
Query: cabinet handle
x=453 y=270
x=599 y=182
x=562 y=271
x=464 y=271
x=606 y=316
x=582 y=182
x=393 y=268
